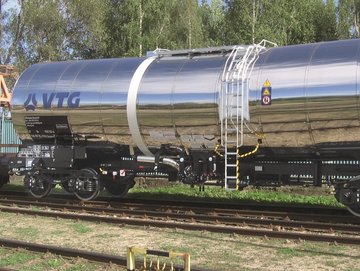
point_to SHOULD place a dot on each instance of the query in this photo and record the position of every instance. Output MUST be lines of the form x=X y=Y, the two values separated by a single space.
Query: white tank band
x=131 y=105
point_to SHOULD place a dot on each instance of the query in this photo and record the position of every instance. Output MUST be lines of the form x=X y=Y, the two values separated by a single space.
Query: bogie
x=87 y=185
x=38 y=187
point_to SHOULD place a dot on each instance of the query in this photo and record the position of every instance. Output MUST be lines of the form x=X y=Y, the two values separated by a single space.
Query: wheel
x=88 y=185
x=38 y=187
x=347 y=194
x=120 y=188
x=3 y=180
x=65 y=186
x=354 y=211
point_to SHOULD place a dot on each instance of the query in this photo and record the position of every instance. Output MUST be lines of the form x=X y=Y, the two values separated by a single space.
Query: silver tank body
x=315 y=97
x=315 y=94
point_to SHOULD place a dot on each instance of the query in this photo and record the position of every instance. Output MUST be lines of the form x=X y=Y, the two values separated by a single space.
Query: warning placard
x=266 y=93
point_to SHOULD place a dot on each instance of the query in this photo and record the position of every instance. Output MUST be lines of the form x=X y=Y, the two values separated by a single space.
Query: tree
x=349 y=19
x=84 y=27
x=281 y=21
x=238 y=20
x=11 y=32
x=212 y=16
x=134 y=27
x=325 y=21
x=48 y=30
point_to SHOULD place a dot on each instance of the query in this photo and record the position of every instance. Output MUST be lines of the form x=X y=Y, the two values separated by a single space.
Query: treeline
x=49 y=30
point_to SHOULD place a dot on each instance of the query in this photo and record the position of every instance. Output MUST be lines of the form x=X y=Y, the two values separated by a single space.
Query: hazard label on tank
x=266 y=100
x=266 y=93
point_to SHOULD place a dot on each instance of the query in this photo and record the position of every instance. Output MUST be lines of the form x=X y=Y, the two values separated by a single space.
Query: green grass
x=80 y=228
x=23 y=260
x=16 y=258
x=185 y=192
x=27 y=232
x=288 y=252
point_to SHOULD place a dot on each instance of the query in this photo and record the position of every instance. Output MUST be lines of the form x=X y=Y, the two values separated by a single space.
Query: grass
x=289 y=252
x=27 y=232
x=16 y=258
x=81 y=228
x=24 y=260
x=185 y=192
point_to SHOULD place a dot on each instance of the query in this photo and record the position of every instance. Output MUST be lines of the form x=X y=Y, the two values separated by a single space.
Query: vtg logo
x=72 y=100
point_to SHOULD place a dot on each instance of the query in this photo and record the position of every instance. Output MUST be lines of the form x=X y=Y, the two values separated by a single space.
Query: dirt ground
x=208 y=250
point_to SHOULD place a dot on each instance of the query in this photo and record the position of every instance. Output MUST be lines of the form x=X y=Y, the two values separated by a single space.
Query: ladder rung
x=231 y=153
x=231 y=165
x=231 y=177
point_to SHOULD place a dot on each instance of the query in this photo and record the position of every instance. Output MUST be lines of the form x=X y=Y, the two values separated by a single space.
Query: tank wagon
x=232 y=115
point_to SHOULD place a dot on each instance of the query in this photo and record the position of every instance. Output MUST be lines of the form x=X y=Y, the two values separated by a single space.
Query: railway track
x=290 y=225
x=296 y=211
x=75 y=253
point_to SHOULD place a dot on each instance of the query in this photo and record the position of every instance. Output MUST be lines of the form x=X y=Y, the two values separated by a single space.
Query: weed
x=184 y=192
x=80 y=228
x=27 y=232
x=36 y=208
x=289 y=252
x=53 y=263
x=58 y=232
x=82 y=267
x=18 y=257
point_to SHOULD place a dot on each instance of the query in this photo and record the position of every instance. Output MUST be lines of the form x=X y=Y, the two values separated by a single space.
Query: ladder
x=235 y=107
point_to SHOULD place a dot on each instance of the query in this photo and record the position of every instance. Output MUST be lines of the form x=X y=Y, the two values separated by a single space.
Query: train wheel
x=65 y=186
x=347 y=194
x=88 y=185
x=4 y=180
x=120 y=188
x=354 y=211
x=38 y=188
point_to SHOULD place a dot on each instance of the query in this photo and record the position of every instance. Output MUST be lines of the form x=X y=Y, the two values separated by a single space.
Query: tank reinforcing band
x=131 y=105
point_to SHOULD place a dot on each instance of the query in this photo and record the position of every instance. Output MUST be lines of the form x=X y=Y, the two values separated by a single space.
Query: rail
x=258 y=225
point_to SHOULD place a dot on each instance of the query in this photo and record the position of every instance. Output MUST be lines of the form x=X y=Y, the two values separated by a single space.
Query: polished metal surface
x=102 y=86
x=165 y=161
x=315 y=97
x=132 y=104
x=178 y=101
x=172 y=100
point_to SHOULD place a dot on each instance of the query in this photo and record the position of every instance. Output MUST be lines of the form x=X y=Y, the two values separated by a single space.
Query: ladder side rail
x=234 y=56
x=223 y=102
x=241 y=67
x=246 y=72
x=225 y=112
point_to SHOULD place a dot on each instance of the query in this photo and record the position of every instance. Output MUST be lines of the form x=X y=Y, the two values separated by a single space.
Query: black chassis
x=60 y=163
x=333 y=164
x=336 y=165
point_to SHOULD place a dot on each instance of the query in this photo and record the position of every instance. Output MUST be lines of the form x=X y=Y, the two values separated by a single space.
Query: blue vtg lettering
x=71 y=99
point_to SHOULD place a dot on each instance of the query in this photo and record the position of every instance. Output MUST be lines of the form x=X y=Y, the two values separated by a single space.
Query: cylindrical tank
x=315 y=94
x=175 y=98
